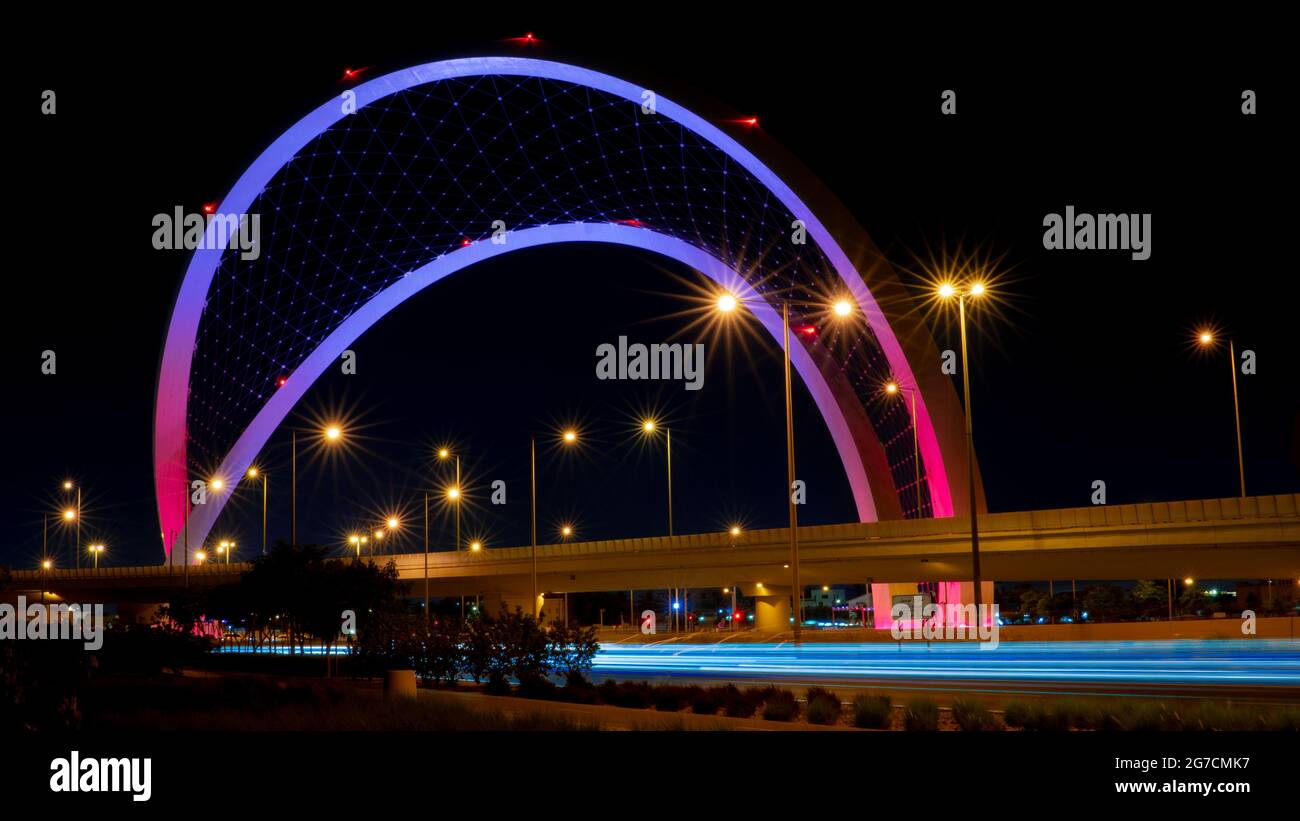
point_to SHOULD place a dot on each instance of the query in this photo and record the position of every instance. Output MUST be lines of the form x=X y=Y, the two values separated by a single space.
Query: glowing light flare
x=393 y=522
x=69 y=515
x=727 y=303
x=570 y=436
x=333 y=433
x=843 y=308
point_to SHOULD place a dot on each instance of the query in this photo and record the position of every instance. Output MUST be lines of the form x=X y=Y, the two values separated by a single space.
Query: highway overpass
x=1246 y=538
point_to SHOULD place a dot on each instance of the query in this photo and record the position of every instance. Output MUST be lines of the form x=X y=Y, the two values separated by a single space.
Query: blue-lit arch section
x=360 y=209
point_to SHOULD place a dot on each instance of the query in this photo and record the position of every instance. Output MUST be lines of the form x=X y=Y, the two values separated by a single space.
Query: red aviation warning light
x=528 y=39
x=752 y=122
x=209 y=207
x=352 y=73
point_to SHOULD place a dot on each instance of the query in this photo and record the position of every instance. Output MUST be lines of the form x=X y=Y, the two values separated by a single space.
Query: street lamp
x=453 y=495
x=75 y=516
x=200 y=557
x=1206 y=339
x=96 y=549
x=568 y=437
x=330 y=434
x=46 y=564
x=840 y=309
x=975 y=290
x=650 y=426
x=893 y=389
x=252 y=473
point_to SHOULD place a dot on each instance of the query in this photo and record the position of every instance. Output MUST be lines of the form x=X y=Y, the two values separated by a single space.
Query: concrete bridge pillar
x=496 y=600
x=771 y=607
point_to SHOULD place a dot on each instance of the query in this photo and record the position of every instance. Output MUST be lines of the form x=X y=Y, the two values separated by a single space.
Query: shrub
x=625 y=694
x=579 y=688
x=921 y=714
x=535 y=685
x=1141 y=716
x=823 y=706
x=497 y=685
x=1284 y=718
x=738 y=704
x=972 y=716
x=1032 y=715
x=669 y=698
x=1079 y=714
x=780 y=706
x=872 y=712
x=705 y=702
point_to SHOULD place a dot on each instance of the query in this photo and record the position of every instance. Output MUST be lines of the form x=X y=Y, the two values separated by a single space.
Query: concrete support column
x=771 y=607
x=494 y=601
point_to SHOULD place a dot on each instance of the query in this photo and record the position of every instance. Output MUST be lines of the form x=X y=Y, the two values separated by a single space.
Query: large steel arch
x=372 y=248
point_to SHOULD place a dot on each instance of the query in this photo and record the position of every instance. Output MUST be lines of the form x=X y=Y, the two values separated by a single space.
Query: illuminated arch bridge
x=361 y=209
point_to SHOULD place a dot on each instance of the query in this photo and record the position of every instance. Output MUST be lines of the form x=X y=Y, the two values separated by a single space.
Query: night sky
x=1088 y=375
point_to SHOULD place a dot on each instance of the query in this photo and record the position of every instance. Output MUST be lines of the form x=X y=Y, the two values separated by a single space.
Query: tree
x=572 y=649
x=1150 y=599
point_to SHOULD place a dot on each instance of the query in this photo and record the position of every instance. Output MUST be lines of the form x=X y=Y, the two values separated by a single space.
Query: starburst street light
x=331 y=433
x=1206 y=338
x=892 y=388
x=252 y=473
x=840 y=309
x=974 y=290
x=95 y=550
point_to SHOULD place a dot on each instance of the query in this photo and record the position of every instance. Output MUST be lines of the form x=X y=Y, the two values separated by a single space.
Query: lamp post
x=46 y=564
x=426 y=555
x=453 y=495
x=975 y=290
x=892 y=388
x=96 y=549
x=649 y=427
x=253 y=473
x=331 y=434
x=76 y=550
x=1206 y=339
x=567 y=437
x=842 y=308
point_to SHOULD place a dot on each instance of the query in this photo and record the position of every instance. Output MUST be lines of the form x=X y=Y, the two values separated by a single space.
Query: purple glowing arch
x=170 y=420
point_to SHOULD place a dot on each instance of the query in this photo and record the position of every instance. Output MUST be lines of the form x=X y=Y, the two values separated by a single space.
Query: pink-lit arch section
x=170 y=431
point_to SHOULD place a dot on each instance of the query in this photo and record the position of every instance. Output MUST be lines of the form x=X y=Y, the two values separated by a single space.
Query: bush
x=578 y=688
x=872 y=712
x=669 y=698
x=1141 y=716
x=624 y=694
x=497 y=685
x=705 y=702
x=921 y=714
x=535 y=685
x=737 y=704
x=823 y=706
x=1033 y=716
x=972 y=716
x=780 y=706
x=1079 y=714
